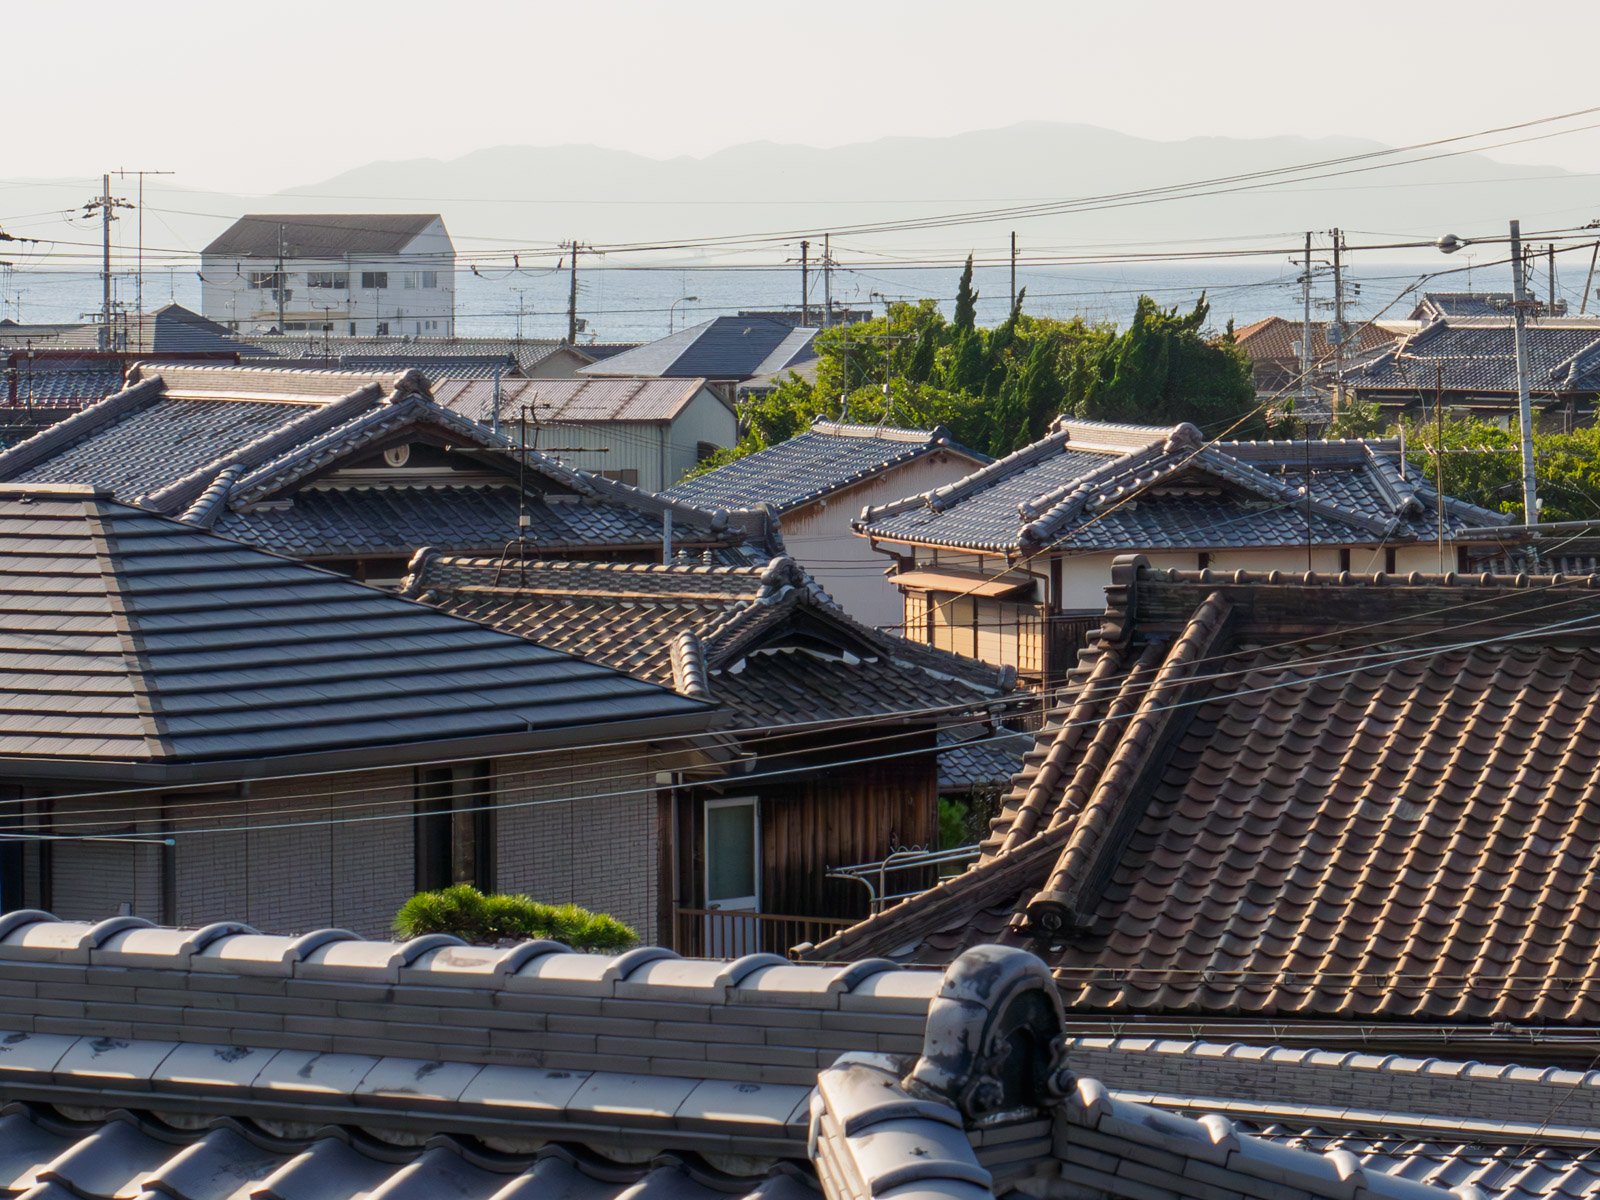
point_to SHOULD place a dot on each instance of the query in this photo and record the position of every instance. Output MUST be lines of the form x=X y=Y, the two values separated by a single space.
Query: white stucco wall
x=227 y=297
x=820 y=539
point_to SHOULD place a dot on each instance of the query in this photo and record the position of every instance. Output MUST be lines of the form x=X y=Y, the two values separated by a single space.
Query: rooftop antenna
x=523 y=521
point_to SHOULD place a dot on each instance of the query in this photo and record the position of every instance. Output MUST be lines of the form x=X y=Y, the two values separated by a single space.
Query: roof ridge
x=941 y=498
x=885 y=433
x=183 y=492
x=204 y=511
x=1102 y=826
x=97 y=516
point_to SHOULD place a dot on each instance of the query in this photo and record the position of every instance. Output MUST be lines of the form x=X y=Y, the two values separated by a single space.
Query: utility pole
x=1550 y=305
x=107 y=204
x=1305 y=333
x=572 y=291
x=1438 y=453
x=1013 y=270
x=1519 y=311
x=1336 y=331
x=805 y=284
x=278 y=278
x=827 y=281
x=1583 y=307
x=139 y=270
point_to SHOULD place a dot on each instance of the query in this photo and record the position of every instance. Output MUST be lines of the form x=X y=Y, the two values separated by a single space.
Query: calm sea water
x=634 y=304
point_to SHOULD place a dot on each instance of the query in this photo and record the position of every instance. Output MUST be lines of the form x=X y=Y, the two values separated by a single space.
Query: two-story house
x=380 y=274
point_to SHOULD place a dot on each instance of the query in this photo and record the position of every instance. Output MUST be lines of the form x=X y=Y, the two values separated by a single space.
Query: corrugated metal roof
x=127 y=636
x=318 y=235
x=563 y=400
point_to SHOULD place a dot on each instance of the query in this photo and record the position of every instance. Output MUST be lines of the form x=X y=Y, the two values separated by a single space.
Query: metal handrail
x=904 y=859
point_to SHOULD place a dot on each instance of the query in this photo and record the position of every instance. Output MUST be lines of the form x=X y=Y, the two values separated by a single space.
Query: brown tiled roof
x=769 y=643
x=1274 y=338
x=1278 y=797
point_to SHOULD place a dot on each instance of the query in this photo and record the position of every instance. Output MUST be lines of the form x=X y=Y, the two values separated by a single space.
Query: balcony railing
x=730 y=933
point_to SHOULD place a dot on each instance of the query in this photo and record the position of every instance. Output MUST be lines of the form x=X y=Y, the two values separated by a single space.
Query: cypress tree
x=966 y=300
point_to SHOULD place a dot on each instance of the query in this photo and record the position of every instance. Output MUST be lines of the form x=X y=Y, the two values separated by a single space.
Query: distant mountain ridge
x=601 y=195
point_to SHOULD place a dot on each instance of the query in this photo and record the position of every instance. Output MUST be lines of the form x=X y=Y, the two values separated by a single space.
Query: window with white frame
x=264 y=280
x=338 y=280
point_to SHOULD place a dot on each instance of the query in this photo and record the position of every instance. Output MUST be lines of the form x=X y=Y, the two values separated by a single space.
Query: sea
x=634 y=304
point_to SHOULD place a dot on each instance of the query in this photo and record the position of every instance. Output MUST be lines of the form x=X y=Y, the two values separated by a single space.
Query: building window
x=1388 y=560
x=352 y=329
x=1344 y=559
x=412 y=280
x=1204 y=560
x=264 y=280
x=454 y=827
x=339 y=280
x=374 y=279
x=383 y=329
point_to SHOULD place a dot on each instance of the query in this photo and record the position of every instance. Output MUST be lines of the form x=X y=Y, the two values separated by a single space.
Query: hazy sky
x=255 y=97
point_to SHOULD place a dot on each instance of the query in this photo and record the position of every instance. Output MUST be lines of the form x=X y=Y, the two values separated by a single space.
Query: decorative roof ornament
x=995 y=1046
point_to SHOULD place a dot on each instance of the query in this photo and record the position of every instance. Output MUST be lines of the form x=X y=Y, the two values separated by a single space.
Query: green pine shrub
x=465 y=912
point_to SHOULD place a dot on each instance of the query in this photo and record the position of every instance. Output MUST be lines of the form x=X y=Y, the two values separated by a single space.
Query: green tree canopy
x=999 y=389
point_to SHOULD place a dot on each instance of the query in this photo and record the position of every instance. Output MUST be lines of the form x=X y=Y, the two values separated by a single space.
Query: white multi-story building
x=368 y=274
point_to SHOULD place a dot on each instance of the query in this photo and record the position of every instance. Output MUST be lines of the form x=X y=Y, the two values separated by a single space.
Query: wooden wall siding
x=996 y=631
x=832 y=818
x=852 y=815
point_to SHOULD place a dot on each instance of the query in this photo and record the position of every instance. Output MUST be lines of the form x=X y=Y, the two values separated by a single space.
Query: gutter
x=124 y=773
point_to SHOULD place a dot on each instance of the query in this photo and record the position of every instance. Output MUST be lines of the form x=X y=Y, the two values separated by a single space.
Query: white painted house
x=647 y=433
x=360 y=274
x=817 y=482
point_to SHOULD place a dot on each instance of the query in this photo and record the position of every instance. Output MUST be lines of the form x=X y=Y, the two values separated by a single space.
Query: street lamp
x=672 y=310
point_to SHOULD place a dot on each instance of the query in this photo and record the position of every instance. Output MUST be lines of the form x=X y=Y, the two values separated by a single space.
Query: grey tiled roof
x=397 y=353
x=137 y=1154
x=212 y=456
x=132 y=637
x=820 y=461
x=1480 y=356
x=978 y=758
x=85 y=384
x=721 y=348
x=1177 y=492
x=1462 y=304
x=158 y=444
x=469 y=519
x=774 y=647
